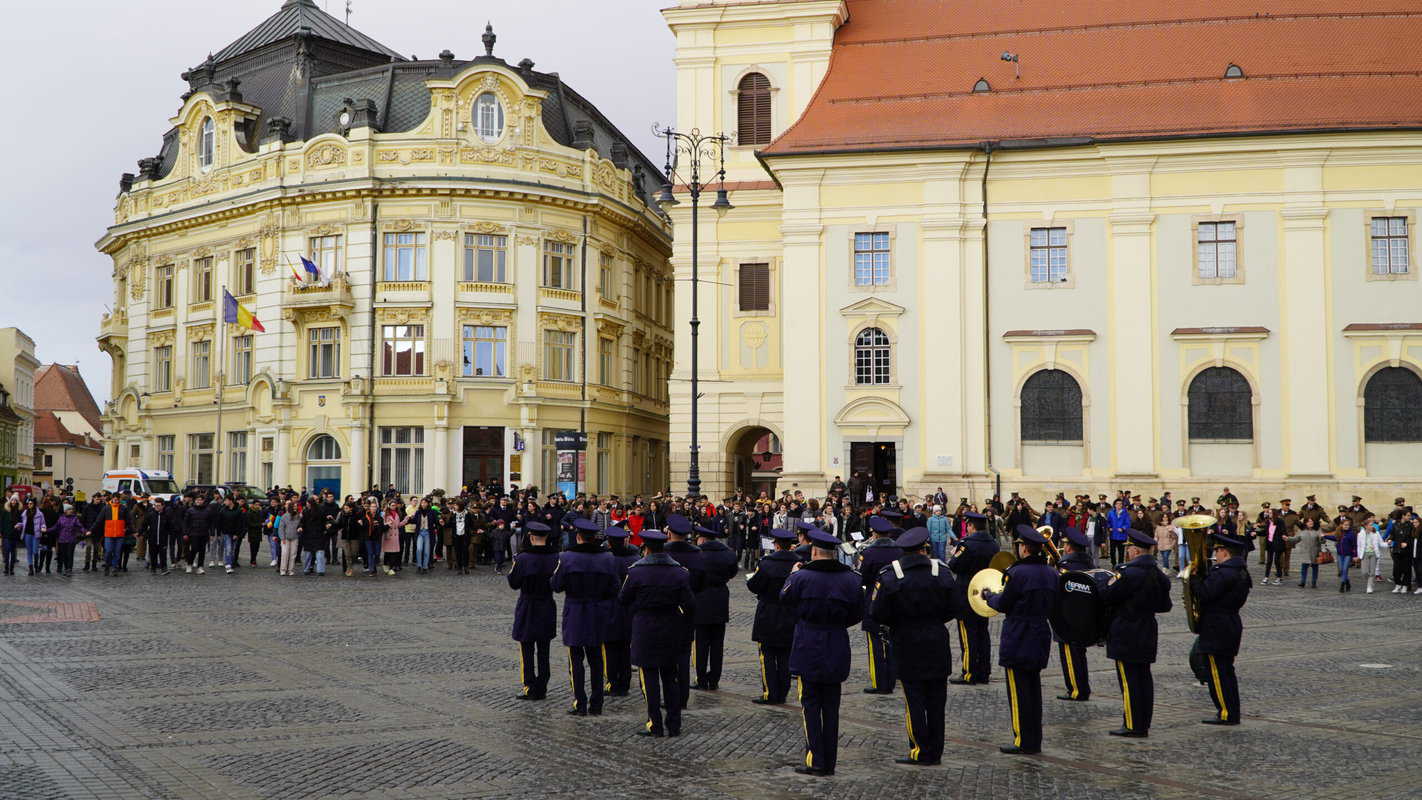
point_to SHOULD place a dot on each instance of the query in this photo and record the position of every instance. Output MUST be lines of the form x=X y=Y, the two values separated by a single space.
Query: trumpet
x=1054 y=555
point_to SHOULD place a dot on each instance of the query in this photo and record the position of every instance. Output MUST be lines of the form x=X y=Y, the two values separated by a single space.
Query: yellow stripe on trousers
x=869 y=640
x=1125 y=695
x=1219 y=689
x=764 y=684
x=642 y=679
x=1071 y=672
x=1013 y=704
x=963 y=640
x=522 y=670
x=572 y=685
x=606 y=676
x=804 y=723
x=908 y=721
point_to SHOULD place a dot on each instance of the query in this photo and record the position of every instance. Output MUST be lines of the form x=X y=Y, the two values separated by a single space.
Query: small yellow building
x=454 y=261
x=1071 y=246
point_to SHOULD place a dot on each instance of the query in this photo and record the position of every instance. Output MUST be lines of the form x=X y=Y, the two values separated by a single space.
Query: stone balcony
x=334 y=298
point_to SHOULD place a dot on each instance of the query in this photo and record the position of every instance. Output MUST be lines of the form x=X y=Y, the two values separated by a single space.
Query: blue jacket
x=828 y=598
x=1139 y=593
x=938 y=528
x=587 y=574
x=774 y=624
x=658 y=593
x=1119 y=520
x=536 y=614
x=1026 y=599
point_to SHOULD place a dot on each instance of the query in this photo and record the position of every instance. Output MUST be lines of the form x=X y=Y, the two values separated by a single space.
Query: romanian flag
x=233 y=312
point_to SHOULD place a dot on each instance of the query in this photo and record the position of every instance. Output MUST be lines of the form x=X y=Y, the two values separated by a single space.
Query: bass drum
x=1079 y=616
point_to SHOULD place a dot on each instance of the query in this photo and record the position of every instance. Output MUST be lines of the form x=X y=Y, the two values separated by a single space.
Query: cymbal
x=1196 y=521
x=1002 y=559
x=986 y=579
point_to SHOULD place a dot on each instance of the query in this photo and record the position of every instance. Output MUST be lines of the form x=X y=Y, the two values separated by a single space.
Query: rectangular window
x=202 y=280
x=237 y=456
x=268 y=449
x=1389 y=239
x=163 y=286
x=606 y=362
x=326 y=255
x=604 y=278
x=558 y=347
x=1216 y=244
x=202 y=365
x=485 y=257
x=242 y=359
x=648 y=379
x=485 y=347
x=163 y=368
x=200 y=458
x=604 y=462
x=405 y=257
x=557 y=264
x=166 y=444
x=871 y=259
x=755 y=287
x=244 y=271
x=402 y=459
x=403 y=351
x=1049 y=255
x=324 y=351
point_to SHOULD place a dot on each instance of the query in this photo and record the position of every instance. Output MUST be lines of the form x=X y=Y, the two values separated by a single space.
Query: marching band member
x=1026 y=598
x=1222 y=591
x=971 y=557
x=1139 y=593
x=1075 y=671
x=774 y=628
x=876 y=555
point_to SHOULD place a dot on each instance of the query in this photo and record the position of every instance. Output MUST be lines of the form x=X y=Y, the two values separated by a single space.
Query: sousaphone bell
x=1196 y=528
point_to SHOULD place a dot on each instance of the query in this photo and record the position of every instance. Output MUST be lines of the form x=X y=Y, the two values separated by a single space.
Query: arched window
x=1221 y=406
x=1051 y=408
x=871 y=357
x=207 y=144
x=1392 y=406
x=489 y=117
x=323 y=448
x=753 y=109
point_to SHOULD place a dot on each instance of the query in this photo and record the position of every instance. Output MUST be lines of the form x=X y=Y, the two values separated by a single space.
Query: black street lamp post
x=694 y=146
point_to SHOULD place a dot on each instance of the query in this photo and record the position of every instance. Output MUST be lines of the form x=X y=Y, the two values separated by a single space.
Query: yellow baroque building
x=490 y=279
x=1064 y=246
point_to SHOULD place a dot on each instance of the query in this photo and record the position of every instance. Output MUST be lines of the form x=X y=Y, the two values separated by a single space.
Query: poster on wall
x=567 y=473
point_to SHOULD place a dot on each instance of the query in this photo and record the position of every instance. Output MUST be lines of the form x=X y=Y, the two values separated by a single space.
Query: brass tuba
x=1197 y=533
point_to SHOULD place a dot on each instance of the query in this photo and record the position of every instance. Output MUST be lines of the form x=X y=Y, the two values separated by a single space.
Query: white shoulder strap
x=898 y=570
x=932 y=566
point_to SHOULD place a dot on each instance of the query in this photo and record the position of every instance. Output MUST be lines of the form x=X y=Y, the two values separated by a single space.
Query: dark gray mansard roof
x=302 y=64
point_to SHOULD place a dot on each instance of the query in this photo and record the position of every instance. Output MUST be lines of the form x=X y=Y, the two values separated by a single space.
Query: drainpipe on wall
x=987 y=327
x=370 y=375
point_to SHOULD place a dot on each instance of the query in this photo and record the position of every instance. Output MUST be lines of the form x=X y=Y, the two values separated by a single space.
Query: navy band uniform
x=658 y=594
x=688 y=555
x=971 y=557
x=587 y=575
x=1027 y=595
x=719 y=565
x=915 y=597
x=536 y=614
x=1222 y=591
x=617 y=648
x=1135 y=596
x=879 y=553
x=774 y=628
x=827 y=598
x=1076 y=672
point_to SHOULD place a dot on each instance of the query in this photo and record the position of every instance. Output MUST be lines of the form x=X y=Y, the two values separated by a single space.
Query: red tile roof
x=902 y=71
x=49 y=430
x=60 y=387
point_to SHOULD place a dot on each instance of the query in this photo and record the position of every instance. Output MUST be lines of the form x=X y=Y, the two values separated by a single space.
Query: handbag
x=1324 y=557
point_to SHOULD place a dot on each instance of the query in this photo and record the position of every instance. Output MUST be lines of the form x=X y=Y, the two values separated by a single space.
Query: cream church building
x=1067 y=246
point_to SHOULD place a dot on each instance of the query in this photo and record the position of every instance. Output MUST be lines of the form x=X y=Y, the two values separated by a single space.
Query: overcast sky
x=93 y=83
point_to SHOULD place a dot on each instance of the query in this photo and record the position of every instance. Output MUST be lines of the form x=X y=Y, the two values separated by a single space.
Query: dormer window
x=489 y=117
x=206 y=144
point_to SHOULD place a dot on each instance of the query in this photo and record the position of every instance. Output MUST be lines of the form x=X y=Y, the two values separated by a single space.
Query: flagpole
x=221 y=365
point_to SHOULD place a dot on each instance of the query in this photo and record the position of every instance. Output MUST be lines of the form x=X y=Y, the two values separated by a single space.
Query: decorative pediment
x=485 y=316
x=872 y=307
x=872 y=412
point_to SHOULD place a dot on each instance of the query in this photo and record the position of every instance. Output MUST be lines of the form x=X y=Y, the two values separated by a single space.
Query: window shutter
x=753 y=109
x=755 y=287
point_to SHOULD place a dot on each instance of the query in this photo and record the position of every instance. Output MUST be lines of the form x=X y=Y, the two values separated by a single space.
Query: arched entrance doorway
x=755 y=461
x=323 y=465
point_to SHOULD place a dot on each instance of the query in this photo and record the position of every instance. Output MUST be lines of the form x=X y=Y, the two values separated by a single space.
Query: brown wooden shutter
x=753 y=109
x=755 y=287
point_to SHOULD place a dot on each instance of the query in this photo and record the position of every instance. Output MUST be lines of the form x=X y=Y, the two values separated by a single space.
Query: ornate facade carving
x=485 y=316
x=399 y=225
x=323 y=230
x=198 y=333
x=326 y=156
x=560 y=322
x=404 y=316
x=268 y=236
x=446 y=235
x=485 y=227
x=163 y=338
x=567 y=237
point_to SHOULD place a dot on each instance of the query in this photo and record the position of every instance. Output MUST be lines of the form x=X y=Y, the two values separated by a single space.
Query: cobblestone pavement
x=255 y=686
